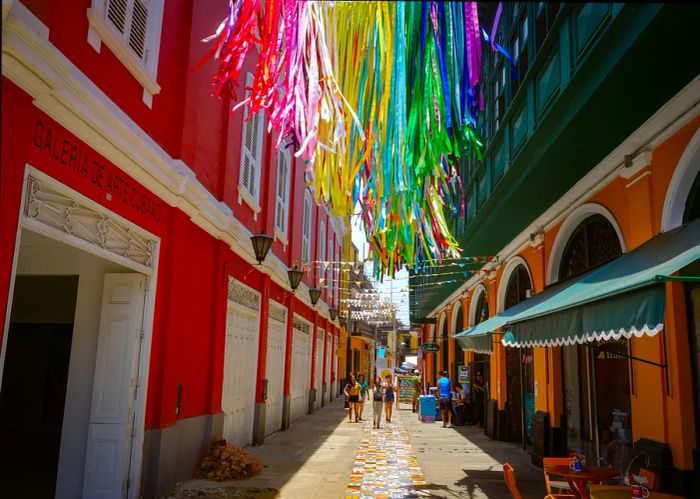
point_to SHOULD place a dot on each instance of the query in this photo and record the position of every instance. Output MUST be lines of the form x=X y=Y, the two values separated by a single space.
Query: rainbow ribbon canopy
x=381 y=99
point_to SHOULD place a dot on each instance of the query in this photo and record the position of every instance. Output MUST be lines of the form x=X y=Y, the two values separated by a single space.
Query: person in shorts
x=363 y=395
x=352 y=392
x=445 y=393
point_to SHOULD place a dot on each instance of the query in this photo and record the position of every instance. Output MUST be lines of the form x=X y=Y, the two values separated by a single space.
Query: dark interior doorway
x=34 y=383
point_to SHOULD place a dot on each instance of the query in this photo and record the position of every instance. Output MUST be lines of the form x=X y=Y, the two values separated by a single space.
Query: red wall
x=191 y=125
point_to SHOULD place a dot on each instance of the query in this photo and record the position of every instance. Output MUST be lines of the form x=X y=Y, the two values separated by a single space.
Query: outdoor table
x=579 y=479
x=622 y=492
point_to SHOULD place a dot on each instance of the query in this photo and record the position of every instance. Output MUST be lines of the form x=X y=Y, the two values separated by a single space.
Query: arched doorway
x=480 y=368
x=520 y=372
x=444 y=344
x=593 y=242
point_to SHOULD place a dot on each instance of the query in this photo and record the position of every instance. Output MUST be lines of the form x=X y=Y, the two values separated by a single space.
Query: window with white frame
x=282 y=205
x=322 y=253
x=131 y=29
x=251 y=156
x=331 y=267
x=306 y=228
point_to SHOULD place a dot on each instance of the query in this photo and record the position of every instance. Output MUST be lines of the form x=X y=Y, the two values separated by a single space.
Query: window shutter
x=139 y=24
x=306 y=230
x=322 y=250
x=130 y=18
x=251 y=149
x=281 y=209
x=116 y=13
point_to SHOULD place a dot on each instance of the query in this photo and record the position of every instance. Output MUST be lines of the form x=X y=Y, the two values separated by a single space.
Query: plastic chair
x=652 y=479
x=560 y=485
x=509 y=476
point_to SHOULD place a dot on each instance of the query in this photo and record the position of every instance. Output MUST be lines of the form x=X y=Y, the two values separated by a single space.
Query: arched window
x=482 y=309
x=692 y=205
x=444 y=346
x=459 y=320
x=593 y=243
x=518 y=285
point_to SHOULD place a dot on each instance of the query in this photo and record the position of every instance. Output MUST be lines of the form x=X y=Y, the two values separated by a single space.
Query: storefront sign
x=78 y=160
x=430 y=347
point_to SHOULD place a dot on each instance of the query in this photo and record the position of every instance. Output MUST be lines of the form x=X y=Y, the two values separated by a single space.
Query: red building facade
x=127 y=198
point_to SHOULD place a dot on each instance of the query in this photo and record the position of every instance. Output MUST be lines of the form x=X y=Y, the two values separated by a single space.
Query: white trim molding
x=567 y=229
x=680 y=185
x=477 y=292
x=510 y=266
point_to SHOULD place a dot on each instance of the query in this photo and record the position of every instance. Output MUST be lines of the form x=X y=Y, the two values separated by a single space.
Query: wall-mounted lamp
x=261 y=246
x=333 y=312
x=314 y=295
x=295 y=276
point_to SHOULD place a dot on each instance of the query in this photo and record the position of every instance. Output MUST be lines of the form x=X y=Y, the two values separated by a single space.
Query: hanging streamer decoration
x=387 y=135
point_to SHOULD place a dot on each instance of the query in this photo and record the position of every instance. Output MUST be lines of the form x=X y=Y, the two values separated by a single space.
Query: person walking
x=416 y=389
x=445 y=393
x=389 y=391
x=363 y=395
x=377 y=401
x=352 y=392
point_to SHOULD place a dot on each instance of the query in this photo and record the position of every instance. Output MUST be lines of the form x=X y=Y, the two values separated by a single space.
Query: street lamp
x=314 y=295
x=261 y=246
x=333 y=312
x=295 y=276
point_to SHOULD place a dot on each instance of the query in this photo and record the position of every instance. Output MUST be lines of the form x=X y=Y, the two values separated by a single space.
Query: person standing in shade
x=416 y=389
x=377 y=401
x=445 y=393
x=389 y=391
x=459 y=404
x=352 y=392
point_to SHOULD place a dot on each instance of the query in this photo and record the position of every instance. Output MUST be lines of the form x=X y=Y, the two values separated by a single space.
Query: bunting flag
x=381 y=100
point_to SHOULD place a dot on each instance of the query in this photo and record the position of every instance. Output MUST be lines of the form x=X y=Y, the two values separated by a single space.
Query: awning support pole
x=632 y=357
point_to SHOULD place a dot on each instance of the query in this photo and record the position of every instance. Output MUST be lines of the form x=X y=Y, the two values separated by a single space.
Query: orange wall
x=637 y=205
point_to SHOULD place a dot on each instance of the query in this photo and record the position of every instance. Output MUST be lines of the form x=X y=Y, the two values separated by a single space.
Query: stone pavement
x=324 y=456
x=462 y=462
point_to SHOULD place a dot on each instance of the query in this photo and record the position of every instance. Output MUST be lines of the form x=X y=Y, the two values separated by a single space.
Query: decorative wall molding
x=49 y=207
x=302 y=325
x=278 y=312
x=242 y=295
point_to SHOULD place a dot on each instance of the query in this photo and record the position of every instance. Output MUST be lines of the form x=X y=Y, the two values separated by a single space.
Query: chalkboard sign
x=405 y=389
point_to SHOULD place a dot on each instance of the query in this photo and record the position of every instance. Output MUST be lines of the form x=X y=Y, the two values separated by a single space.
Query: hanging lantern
x=295 y=276
x=314 y=295
x=261 y=246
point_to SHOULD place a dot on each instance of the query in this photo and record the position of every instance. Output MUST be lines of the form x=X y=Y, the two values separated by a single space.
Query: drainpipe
x=523 y=431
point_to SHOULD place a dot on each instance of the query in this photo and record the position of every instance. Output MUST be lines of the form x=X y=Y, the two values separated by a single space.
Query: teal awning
x=623 y=298
x=479 y=339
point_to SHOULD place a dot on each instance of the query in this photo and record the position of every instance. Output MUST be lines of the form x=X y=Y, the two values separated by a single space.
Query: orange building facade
x=636 y=395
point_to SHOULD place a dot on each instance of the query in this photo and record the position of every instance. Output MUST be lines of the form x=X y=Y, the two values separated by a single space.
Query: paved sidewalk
x=312 y=459
x=462 y=462
x=324 y=456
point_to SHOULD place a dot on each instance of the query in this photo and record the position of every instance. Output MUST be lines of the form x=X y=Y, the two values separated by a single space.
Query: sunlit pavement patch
x=385 y=465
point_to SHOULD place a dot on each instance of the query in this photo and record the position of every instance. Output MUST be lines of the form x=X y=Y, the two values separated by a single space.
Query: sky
x=395 y=291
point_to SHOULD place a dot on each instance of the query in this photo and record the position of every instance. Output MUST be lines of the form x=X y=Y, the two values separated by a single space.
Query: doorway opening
x=34 y=382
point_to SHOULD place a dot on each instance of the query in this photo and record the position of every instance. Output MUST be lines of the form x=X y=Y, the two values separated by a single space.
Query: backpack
x=378 y=396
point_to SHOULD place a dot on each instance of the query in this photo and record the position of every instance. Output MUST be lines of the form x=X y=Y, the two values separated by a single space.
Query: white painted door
x=318 y=367
x=301 y=374
x=240 y=367
x=329 y=359
x=276 y=341
x=111 y=424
